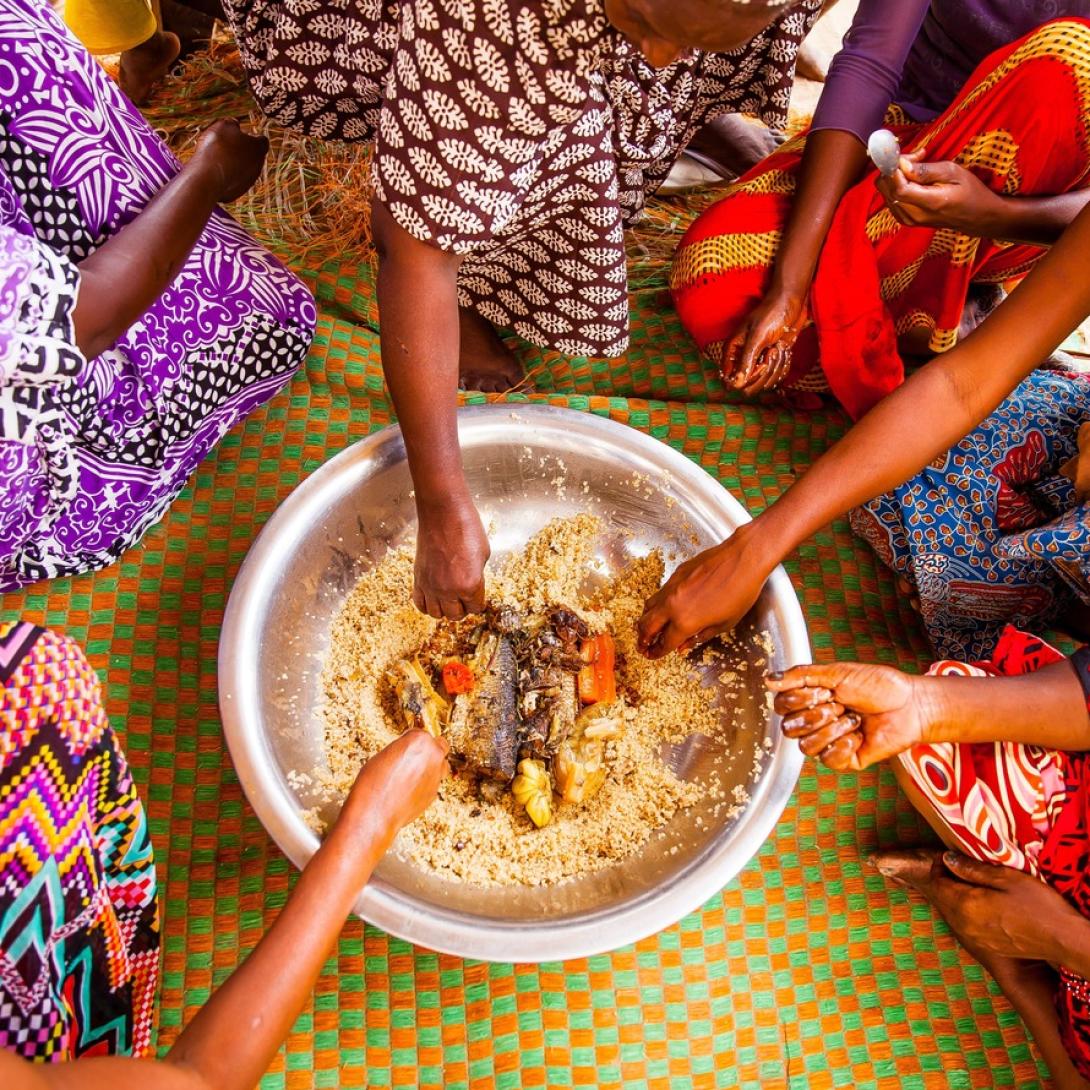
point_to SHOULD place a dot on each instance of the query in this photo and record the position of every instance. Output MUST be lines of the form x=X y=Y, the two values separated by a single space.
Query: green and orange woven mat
x=807 y=972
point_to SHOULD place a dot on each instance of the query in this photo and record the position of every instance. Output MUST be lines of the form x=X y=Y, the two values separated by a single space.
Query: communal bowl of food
x=596 y=797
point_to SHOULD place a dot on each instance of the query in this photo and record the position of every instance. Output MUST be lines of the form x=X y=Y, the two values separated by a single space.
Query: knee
x=1066 y=39
x=718 y=277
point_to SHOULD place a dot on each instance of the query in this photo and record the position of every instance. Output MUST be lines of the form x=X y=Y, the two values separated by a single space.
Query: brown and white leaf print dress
x=522 y=135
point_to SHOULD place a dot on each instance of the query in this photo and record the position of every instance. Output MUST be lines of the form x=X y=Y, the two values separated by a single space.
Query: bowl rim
x=432 y=926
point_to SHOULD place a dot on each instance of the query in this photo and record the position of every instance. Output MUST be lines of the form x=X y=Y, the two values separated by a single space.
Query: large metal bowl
x=342 y=520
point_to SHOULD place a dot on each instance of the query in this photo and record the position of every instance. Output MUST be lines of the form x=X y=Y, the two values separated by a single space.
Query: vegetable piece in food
x=580 y=767
x=533 y=789
x=598 y=678
x=457 y=677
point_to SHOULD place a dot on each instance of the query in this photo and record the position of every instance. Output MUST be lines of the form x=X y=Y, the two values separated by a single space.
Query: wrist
x=449 y=501
x=755 y=549
x=935 y=712
x=770 y=537
x=205 y=175
x=1002 y=218
x=1072 y=943
x=791 y=282
x=365 y=828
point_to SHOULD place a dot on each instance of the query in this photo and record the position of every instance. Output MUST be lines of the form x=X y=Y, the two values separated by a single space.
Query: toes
x=490 y=382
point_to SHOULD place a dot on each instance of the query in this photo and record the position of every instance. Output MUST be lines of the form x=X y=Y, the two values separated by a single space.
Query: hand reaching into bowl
x=706 y=596
x=266 y=993
x=451 y=552
x=396 y=785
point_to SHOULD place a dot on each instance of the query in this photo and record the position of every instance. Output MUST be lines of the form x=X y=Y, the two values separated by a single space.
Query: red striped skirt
x=1019 y=806
x=1021 y=124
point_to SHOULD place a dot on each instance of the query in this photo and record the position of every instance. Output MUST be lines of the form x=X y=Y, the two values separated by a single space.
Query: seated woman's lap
x=998 y=128
x=77 y=165
x=993 y=533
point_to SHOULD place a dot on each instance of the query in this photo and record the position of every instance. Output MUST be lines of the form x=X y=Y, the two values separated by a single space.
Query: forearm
x=1046 y=708
x=127 y=273
x=1038 y=221
x=231 y=1041
x=939 y=405
x=831 y=164
x=1030 y=989
x=418 y=308
x=1073 y=947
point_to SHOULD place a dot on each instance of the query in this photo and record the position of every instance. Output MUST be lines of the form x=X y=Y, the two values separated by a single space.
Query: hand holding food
x=850 y=715
x=946 y=194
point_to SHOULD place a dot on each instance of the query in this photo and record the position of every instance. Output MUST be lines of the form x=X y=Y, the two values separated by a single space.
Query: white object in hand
x=884 y=151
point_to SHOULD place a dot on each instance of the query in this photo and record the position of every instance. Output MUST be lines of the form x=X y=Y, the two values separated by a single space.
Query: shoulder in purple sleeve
x=865 y=74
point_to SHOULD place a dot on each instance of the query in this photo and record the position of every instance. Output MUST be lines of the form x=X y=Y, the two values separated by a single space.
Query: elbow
x=397 y=249
x=965 y=399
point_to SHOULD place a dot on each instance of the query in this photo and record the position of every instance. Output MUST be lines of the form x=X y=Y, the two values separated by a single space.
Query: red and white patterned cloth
x=1019 y=806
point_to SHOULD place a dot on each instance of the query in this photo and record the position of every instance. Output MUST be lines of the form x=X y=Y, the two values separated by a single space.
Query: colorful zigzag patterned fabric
x=79 y=924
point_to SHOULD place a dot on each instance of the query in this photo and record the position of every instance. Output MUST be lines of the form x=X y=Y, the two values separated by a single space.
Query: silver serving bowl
x=341 y=521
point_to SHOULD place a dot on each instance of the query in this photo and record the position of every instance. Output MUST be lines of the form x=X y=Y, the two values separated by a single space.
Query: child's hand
x=850 y=715
x=398 y=784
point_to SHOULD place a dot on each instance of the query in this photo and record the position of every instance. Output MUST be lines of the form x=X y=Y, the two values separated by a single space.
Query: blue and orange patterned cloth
x=79 y=922
x=994 y=531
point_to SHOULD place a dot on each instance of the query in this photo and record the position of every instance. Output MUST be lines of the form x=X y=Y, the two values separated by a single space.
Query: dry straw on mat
x=313 y=199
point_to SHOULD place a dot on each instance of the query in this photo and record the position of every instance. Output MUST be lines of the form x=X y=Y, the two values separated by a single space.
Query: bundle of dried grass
x=313 y=199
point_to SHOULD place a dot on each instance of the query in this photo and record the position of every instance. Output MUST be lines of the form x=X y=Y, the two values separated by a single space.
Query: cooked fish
x=421 y=706
x=550 y=705
x=549 y=661
x=484 y=723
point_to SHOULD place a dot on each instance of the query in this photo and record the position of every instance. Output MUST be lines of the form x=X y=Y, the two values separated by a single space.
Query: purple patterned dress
x=92 y=452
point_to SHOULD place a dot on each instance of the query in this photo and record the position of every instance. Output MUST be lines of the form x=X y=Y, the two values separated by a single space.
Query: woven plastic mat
x=807 y=972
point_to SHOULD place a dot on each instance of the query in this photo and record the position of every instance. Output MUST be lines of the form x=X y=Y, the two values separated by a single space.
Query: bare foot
x=735 y=143
x=907 y=866
x=143 y=67
x=486 y=363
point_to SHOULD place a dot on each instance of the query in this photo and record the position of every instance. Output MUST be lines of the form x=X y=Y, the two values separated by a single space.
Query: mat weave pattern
x=807 y=972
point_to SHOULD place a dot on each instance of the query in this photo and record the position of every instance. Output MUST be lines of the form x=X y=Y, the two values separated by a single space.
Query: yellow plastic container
x=110 y=26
